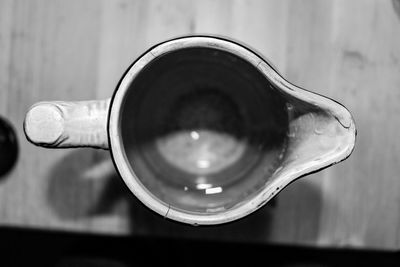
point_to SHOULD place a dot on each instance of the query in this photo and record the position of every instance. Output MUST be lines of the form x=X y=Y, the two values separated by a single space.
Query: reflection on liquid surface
x=201 y=152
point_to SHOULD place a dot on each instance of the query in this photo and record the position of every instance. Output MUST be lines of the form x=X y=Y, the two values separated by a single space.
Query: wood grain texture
x=78 y=50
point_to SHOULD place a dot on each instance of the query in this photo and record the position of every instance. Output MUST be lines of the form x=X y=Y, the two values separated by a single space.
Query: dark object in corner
x=8 y=147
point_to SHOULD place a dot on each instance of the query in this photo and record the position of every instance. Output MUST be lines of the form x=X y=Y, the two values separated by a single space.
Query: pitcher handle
x=57 y=124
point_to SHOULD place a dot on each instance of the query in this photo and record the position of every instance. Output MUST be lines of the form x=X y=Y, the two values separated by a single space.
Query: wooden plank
x=52 y=55
x=5 y=40
x=366 y=78
x=77 y=50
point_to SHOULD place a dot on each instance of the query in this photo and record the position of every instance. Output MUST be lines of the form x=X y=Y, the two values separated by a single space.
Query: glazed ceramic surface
x=203 y=130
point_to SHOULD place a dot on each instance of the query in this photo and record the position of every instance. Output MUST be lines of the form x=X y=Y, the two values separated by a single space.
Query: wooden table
x=77 y=50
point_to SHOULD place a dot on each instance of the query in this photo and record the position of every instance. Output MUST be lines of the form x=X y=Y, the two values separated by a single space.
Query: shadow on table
x=84 y=185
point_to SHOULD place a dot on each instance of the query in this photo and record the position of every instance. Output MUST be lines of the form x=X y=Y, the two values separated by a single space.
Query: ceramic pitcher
x=202 y=129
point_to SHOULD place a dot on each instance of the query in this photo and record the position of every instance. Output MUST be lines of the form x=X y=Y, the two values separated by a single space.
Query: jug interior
x=204 y=130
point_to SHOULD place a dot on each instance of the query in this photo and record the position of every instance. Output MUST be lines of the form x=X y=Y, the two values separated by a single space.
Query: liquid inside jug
x=203 y=129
